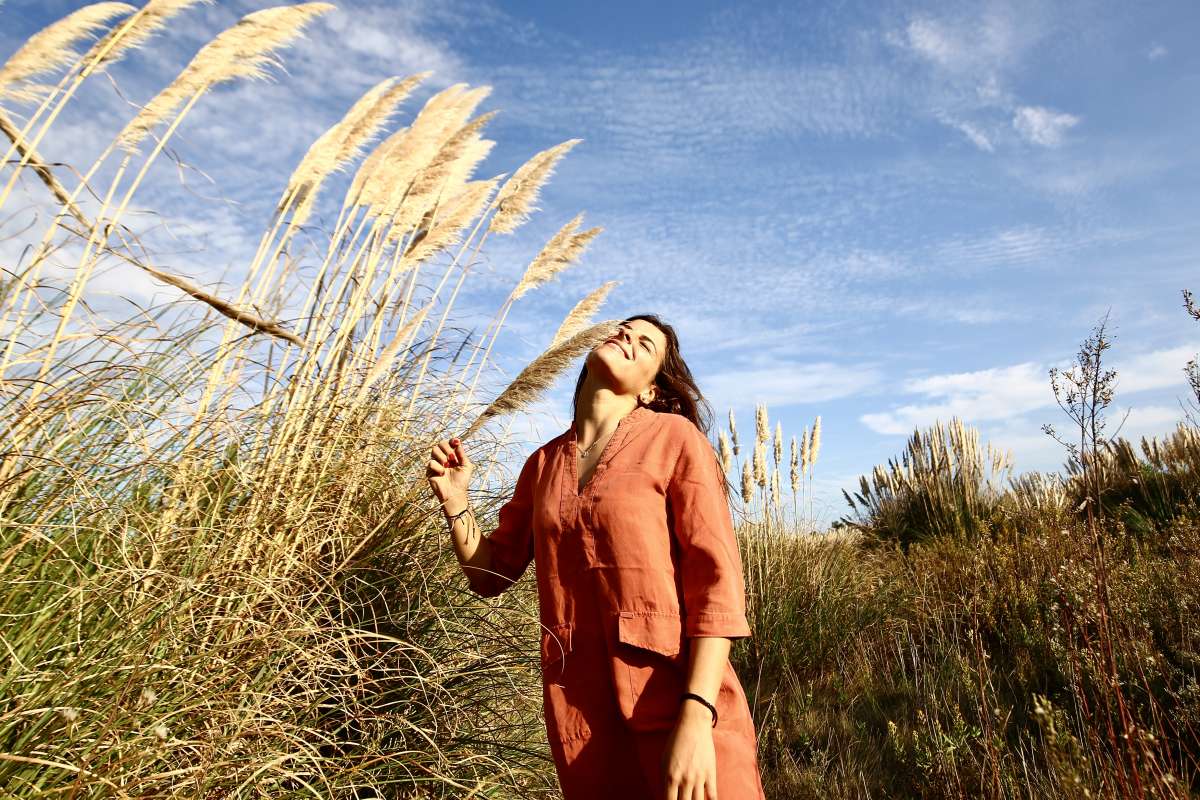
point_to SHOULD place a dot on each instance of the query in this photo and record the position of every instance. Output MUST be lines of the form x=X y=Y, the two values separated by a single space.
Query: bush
x=945 y=483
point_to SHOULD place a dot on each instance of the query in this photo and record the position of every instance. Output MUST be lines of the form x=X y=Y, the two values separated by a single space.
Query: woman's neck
x=598 y=412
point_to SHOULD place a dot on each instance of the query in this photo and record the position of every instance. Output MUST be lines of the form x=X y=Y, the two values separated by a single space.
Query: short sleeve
x=511 y=542
x=714 y=590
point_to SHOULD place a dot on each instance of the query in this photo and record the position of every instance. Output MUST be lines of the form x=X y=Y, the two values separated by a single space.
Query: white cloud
x=1006 y=393
x=971 y=55
x=1156 y=52
x=987 y=394
x=976 y=136
x=787 y=384
x=1043 y=126
x=930 y=39
x=975 y=45
x=1159 y=369
x=1145 y=421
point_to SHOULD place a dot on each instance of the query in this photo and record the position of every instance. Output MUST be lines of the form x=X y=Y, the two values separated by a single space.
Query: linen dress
x=628 y=570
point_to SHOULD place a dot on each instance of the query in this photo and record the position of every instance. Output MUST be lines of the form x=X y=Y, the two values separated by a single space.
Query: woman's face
x=628 y=362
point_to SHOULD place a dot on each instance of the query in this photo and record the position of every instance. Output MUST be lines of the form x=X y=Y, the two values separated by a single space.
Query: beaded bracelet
x=694 y=696
x=454 y=518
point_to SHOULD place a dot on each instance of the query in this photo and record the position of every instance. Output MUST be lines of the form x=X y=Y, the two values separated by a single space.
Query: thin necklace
x=583 y=452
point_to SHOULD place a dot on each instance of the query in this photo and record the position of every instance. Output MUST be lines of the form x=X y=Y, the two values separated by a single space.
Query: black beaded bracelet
x=454 y=518
x=694 y=696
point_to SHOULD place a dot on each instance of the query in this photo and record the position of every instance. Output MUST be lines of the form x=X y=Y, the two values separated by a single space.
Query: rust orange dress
x=628 y=569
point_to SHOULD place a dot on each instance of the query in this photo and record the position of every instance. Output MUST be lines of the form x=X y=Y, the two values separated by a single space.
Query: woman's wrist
x=455 y=505
x=694 y=709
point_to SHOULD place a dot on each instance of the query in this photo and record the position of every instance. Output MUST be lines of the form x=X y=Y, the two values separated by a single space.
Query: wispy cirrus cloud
x=972 y=53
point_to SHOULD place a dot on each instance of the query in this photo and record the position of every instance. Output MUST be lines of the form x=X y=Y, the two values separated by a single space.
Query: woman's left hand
x=690 y=760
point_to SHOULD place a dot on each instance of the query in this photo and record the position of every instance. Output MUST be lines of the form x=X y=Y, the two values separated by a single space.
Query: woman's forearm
x=470 y=547
x=706 y=666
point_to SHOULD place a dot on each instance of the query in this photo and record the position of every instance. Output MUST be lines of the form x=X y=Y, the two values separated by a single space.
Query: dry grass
x=214 y=590
x=224 y=590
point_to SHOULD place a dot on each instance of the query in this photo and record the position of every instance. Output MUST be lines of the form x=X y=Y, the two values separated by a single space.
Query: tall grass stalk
x=218 y=598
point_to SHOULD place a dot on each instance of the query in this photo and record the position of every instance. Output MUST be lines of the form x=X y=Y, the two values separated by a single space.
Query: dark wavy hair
x=677 y=390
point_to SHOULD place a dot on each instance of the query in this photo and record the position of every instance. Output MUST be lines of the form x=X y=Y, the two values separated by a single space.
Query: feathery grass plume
x=439 y=168
x=726 y=453
x=441 y=117
x=762 y=428
x=363 y=185
x=776 y=494
x=515 y=202
x=805 y=451
x=541 y=373
x=747 y=483
x=733 y=432
x=50 y=48
x=940 y=485
x=450 y=167
x=816 y=442
x=582 y=313
x=760 y=463
x=344 y=141
x=242 y=51
x=386 y=179
x=134 y=32
x=449 y=223
x=563 y=248
x=795 y=465
x=778 y=441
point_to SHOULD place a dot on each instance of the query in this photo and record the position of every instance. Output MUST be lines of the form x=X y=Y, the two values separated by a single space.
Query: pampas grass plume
x=515 y=201
x=450 y=222
x=795 y=467
x=51 y=48
x=389 y=352
x=581 y=314
x=541 y=373
x=134 y=32
x=760 y=463
x=816 y=442
x=242 y=51
x=345 y=140
x=562 y=249
x=726 y=452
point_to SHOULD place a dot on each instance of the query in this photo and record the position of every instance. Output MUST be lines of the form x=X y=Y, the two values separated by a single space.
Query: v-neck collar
x=570 y=438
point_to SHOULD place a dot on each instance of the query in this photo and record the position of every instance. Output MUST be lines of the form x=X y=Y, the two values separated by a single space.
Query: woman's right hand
x=449 y=470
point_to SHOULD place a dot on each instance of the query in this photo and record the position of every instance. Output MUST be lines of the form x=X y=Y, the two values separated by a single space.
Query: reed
x=581 y=315
x=982 y=661
x=249 y=590
x=52 y=49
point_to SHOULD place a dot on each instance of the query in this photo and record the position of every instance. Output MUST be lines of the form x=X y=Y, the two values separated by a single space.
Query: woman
x=640 y=582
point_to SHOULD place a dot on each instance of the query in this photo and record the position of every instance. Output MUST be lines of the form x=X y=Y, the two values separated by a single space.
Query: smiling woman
x=639 y=579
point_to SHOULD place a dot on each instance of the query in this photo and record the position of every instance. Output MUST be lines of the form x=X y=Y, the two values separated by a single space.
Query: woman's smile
x=618 y=346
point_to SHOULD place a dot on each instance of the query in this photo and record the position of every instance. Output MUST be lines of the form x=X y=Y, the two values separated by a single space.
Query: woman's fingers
x=444 y=454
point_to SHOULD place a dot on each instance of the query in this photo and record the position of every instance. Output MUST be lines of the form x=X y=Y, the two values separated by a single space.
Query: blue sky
x=882 y=213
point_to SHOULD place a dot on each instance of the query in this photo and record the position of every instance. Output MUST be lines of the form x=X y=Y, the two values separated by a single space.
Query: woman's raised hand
x=449 y=470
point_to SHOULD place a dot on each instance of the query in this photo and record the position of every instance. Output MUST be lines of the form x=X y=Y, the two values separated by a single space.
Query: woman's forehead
x=642 y=326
